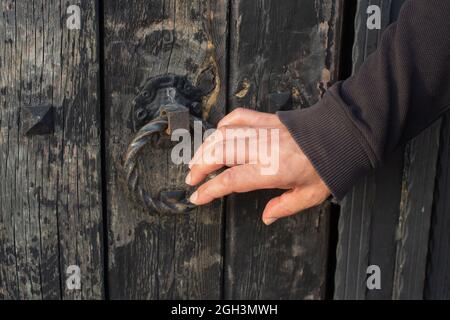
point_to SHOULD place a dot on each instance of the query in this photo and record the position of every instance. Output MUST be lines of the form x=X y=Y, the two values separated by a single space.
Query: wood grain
x=438 y=271
x=415 y=214
x=278 y=46
x=370 y=211
x=385 y=219
x=157 y=256
x=50 y=199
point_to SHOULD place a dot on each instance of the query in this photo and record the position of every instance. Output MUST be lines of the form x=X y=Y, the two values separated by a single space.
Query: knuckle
x=228 y=177
x=222 y=131
x=218 y=154
x=205 y=193
x=237 y=113
x=309 y=195
x=314 y=196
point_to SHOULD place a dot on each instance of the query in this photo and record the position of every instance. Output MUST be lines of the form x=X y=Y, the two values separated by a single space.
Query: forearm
x=400 y=90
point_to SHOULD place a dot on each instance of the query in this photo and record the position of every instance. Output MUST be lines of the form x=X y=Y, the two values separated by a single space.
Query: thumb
x=285 y=205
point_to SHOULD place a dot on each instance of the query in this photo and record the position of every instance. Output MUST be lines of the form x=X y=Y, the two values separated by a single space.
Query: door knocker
x=164 y=103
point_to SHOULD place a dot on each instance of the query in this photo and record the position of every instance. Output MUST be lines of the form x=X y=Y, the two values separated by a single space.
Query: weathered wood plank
x=50 y=201
x=415 y=214
x=385 y=219
x=369 y=213
x=157 y=256
x=278 y=46
x=438 y=270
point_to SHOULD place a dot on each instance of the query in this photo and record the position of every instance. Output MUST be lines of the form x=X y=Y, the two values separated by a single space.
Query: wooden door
x=64 y=200
x=77 y=223
x=254 y=53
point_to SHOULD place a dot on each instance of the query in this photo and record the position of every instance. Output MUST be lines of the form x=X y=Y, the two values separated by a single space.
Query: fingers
x=206 y=149
x=205 y=161
x=199 y=173
x=248 y=117
x=287 y=204
x=242 y=178
x=228 y=146
x=230 y=157
x=221 y=140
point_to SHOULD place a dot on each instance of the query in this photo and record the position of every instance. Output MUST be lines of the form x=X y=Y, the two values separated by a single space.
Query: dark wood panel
x=438 y=270
x=157 y=256
x=415 y=214
x=50 y=199
x=385 y=220
x=370 y=211
x=367 y=233
x=278 y=47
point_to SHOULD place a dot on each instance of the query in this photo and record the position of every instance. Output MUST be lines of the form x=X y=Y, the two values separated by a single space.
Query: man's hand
x=294 y=172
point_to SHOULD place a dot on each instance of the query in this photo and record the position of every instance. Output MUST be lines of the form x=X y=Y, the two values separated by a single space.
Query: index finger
x=239 y=179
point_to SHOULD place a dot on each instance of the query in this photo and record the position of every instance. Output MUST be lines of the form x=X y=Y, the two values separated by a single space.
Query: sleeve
x=400 y=90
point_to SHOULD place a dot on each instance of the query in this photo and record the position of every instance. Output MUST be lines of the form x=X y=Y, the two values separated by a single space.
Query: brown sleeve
x=400 y=90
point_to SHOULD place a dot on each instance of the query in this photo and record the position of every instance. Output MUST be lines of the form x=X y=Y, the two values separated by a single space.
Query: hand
x=247 y=169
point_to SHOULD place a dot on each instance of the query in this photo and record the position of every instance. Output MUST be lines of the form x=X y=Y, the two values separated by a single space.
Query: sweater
x=400 y=90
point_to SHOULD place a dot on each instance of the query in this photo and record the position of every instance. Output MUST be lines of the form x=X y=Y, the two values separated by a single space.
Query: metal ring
x=169 y=201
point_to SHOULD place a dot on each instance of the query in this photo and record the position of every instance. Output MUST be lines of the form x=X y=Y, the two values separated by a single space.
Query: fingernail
x=193 y=197
x=269 y=221
x=188 y=178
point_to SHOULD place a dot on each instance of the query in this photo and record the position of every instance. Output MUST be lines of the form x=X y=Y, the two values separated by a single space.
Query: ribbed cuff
x=329 y=140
